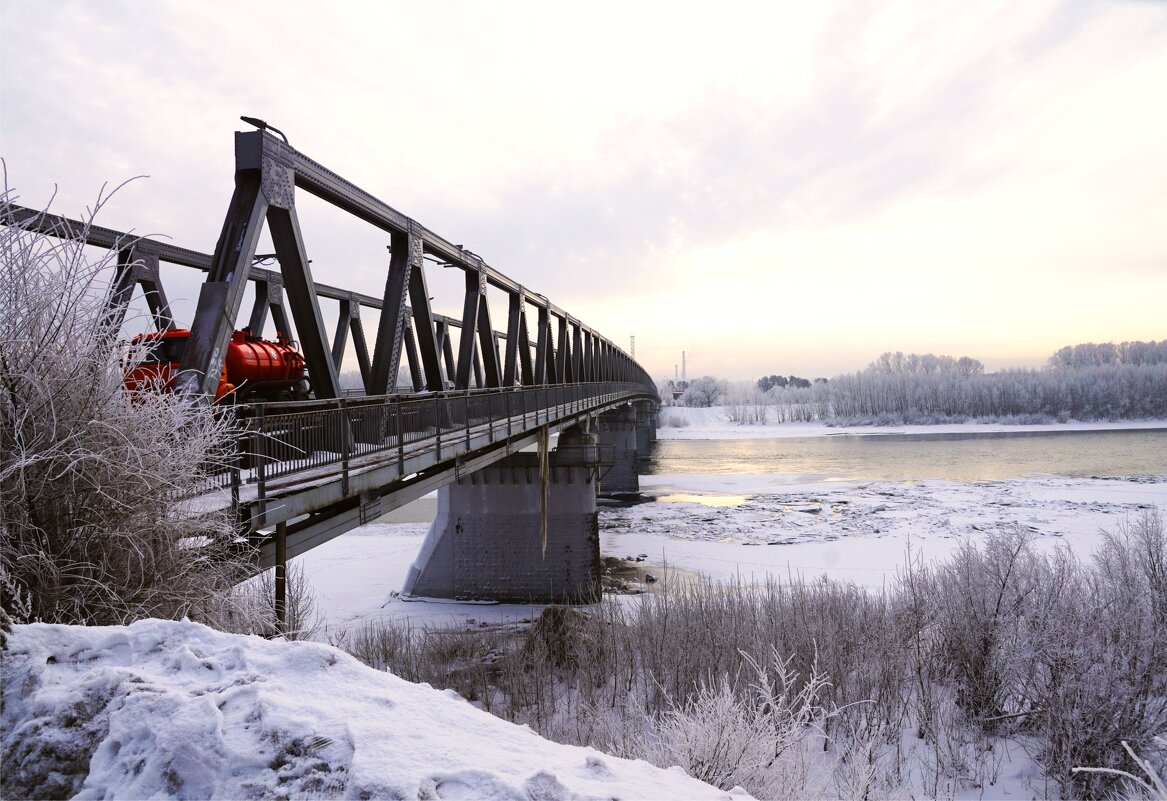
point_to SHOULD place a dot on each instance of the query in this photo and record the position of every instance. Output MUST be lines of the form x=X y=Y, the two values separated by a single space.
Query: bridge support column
x=486 y=542
x=618 y=441
x=646 y=417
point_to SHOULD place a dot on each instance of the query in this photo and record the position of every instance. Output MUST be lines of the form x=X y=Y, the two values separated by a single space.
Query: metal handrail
x=279 y=440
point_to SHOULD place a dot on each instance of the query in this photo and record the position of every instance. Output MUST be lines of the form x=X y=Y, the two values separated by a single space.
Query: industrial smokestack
x=684 y=370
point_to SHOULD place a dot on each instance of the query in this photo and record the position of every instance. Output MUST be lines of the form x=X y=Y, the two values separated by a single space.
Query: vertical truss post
x=285 y=233
x=442 y=342
x=563 y=354
x=340 y=337
x=469 y=327
x=136 y=265
x=222 y=293
x=517 y=301
x=387 y=350
x=448 y=358
x=577 y=352
x=415 y=376
x=487 y=344
x=478 y=379
x=269 y=296
x=359 y=344
x=526 y=374
x=423 y=318
x=121 y=289
x=589 y=371
x=543 y=347
x=150 y=278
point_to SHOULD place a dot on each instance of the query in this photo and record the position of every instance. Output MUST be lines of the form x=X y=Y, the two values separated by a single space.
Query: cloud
x=648 y=157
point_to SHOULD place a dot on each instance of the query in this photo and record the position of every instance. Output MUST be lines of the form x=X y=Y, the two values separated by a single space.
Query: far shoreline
x=712 y=423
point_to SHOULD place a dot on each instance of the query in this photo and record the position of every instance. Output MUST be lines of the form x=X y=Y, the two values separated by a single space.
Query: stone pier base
x=486 y=541
x=618 y=433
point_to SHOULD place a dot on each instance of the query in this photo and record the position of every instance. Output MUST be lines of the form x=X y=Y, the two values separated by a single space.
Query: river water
x=954 y=457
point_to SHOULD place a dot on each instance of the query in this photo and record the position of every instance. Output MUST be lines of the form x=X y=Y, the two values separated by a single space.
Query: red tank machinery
x=254 y=368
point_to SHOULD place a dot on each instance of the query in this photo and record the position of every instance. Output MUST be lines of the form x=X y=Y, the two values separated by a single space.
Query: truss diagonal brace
x=222 y=293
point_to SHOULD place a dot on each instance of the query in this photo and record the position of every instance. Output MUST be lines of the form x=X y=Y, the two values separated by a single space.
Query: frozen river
x=848 y=506
x=953 y=457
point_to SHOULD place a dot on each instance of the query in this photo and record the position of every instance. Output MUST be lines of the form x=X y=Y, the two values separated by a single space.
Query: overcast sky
x=772 y=187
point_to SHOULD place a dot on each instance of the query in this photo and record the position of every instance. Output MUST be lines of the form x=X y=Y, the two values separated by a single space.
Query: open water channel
x=953 y=457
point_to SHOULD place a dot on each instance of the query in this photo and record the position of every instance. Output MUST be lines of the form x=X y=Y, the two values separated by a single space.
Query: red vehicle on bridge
x=255 y=369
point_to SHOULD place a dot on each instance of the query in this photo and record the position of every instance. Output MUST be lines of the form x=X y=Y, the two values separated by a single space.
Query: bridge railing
x=278 y=440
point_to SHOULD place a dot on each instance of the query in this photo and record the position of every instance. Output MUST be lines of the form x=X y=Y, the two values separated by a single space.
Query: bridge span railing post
x=401 y=439
x=258 y=436
x=346 y=443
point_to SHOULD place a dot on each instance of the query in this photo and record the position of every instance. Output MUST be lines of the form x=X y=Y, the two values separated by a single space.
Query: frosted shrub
x=1099 y=666
x=1001 y=640
x=90 y=527
x=754 y=738
x=985 y=593
x=254 y=607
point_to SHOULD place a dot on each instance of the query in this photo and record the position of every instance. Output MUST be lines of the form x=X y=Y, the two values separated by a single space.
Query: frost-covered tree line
x=1083 y=382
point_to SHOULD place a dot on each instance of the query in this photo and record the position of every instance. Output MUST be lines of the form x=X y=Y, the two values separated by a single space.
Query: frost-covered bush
x=1002 y=640
x=705 y=391
x=1072 y=656
x=91 y=528
x=753 y=738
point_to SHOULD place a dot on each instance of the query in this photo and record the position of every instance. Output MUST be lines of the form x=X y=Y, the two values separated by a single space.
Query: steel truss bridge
x=304 y=472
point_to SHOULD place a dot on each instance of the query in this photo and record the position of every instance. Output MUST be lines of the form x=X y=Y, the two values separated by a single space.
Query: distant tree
x=1094 y=354
x=704 y=391
x=767 y=383
x=967 y=366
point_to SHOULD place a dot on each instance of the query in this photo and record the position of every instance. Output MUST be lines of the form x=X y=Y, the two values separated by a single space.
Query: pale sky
x=772 y=187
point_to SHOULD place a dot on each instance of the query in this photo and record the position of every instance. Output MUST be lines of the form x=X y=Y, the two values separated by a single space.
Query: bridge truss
x=315 y=469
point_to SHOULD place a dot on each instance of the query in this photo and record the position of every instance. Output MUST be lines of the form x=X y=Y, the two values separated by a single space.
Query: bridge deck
x=351 y=462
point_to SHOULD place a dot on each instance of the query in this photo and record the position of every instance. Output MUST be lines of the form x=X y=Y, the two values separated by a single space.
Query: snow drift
x=164 y=709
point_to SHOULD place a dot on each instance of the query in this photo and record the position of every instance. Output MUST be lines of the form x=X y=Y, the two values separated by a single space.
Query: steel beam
x=516 y=302
x=469 y=327
x=222 y=293
x=488 y=346
x=543 y=370
x=526 y=374
x=423 y=319
x=360 y=345
x=289 y=244
x=448 y=356
x=563 y=354
x=415 y=375
x=387 y=349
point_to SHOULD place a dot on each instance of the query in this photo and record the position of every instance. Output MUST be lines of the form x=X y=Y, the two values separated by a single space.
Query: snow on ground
x=163 y=709
x=713 y=423
x=754 y=527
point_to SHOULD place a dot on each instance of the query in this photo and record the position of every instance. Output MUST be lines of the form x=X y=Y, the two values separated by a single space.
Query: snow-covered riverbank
x=755 y=528
x=163 y=709
x=712 y=422
x=762 y=526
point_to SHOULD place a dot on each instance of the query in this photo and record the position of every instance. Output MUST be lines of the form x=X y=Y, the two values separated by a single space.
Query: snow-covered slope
x=163 y=709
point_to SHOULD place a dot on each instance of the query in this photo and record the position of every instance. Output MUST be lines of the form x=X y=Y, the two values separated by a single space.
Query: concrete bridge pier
x=646 y=425
x=619 y=432
x=486 y=541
